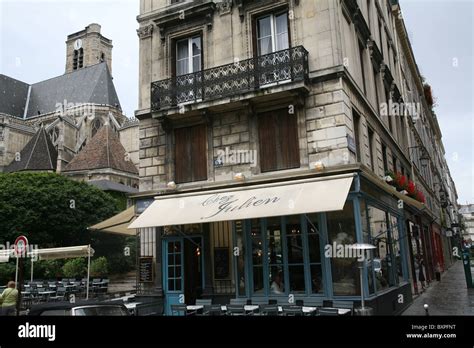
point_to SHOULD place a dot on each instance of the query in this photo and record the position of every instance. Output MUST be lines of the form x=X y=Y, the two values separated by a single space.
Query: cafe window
x=190 y=154
x=396 y=250
x=342 y=231
x=278 y=137
x=257 y=256
x=294 y=242
x=286 y=257
x=275 y=256
x=379 y=238
x=314 y=248
x=240 y=257
x=147 y=242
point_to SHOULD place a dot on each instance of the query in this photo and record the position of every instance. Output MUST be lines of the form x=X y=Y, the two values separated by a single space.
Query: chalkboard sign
x=146 y=269
x=221 y=263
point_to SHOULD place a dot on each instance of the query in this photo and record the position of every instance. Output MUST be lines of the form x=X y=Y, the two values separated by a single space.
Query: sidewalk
x=448 y=297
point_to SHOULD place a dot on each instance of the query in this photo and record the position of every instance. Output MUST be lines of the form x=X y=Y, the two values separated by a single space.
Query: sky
x=32 y=49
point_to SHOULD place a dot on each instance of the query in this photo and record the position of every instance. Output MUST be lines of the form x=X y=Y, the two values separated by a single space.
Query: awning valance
x=64 y=253
x=117 y=224
x=276 y=199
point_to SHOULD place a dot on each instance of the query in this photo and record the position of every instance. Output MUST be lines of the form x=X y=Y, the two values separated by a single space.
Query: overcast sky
x=32 y=49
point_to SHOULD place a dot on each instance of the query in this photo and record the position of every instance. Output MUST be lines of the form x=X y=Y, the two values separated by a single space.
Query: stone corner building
x=46 y=126
x=272 y=113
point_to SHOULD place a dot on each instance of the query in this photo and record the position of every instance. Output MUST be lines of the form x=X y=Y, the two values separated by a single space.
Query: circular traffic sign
x=21 y=243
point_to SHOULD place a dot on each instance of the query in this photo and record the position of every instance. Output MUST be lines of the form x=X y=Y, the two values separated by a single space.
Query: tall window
x=394 y=161
x=376 y=89
x=371 y=148
x=190 y=154
x=188 y=55
x=278 y=136
x=314 y=246
x=257 y=256
x=362 y=67
x=385 y=158
x=356 y=120
x=294 y=242
x=272 y=33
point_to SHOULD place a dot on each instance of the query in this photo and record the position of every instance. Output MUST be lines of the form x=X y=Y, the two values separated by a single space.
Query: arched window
x=54 y=135
x=96 y=124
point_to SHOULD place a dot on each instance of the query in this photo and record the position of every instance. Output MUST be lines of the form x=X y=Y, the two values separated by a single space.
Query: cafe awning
x=117 y=224
x=63 y=253
x=276 y=199
x=5 y=255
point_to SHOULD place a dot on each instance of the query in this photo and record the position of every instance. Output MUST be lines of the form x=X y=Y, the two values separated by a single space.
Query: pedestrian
x=8 y=299
x=421 y=274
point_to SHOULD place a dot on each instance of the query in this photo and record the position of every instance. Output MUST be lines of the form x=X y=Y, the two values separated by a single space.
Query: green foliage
x=50 y=209
x=7 y=272
x=99 y=267
x=75 y=268
x=113 y=248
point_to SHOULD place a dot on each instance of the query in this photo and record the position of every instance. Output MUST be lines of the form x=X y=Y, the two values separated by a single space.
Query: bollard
x=425 y=306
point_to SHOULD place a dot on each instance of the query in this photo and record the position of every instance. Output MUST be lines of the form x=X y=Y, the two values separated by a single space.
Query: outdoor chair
x=268 y=310
x=328 y=312
x=60 y=294
x=234 y=310
x=212 y=310
x=180 y=310
x=292 y=311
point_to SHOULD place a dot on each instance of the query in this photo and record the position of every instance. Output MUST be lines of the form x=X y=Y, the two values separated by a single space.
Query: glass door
x=188 y=64
x=173 y=285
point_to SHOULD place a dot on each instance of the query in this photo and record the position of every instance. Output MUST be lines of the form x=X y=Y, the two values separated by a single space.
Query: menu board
x=146 y=270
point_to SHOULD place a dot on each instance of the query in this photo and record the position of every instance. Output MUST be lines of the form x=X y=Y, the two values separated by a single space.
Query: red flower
x=420 y=197
x=401 y=181
x=411 y=188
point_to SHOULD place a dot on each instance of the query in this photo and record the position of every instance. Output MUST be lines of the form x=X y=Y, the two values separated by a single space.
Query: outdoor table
x=306 y=310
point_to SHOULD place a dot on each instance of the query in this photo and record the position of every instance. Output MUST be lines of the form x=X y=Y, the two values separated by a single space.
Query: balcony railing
x=227 y=80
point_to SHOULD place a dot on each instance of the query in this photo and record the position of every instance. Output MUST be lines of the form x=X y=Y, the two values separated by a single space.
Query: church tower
x=88 y=47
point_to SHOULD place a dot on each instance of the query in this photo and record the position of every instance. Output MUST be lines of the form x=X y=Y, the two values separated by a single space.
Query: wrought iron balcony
x=272 y=69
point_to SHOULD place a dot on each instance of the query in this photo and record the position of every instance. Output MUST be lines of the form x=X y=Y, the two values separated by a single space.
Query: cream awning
x=277 y=199
x=63 y=253
x=5 y=255
x=117 y=224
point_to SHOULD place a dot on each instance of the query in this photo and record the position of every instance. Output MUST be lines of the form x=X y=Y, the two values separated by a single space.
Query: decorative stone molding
x=145 y=31
x=224 y=7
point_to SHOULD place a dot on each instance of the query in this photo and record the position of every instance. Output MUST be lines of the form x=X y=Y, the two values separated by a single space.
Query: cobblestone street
x=448 y=297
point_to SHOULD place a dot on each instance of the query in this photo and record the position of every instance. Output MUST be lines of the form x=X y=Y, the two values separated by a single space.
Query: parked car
x=84 y=308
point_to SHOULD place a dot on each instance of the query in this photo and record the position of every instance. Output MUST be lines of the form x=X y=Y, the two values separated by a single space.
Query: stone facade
x=354 y=68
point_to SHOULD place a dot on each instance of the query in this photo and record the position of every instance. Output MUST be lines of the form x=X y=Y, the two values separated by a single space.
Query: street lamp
x=364 y=247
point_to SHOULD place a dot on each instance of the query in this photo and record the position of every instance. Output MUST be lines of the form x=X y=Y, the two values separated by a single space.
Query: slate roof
x=13 y=96
x=103 y=151
x=92 y=84
x=38 y=155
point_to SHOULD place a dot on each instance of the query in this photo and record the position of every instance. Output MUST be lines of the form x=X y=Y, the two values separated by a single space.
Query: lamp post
x=364 y=247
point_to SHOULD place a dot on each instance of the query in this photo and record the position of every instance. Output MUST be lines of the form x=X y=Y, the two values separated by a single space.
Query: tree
x=50 y=209
x=99 y=267
x=75 y=268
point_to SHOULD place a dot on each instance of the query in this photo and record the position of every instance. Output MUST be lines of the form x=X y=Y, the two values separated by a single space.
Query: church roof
x=92 y=84
x=103 y=151
x=38 y=155
x=13 y=96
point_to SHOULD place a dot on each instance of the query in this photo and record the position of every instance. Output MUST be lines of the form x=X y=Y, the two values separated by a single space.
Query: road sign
x=21 y=243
